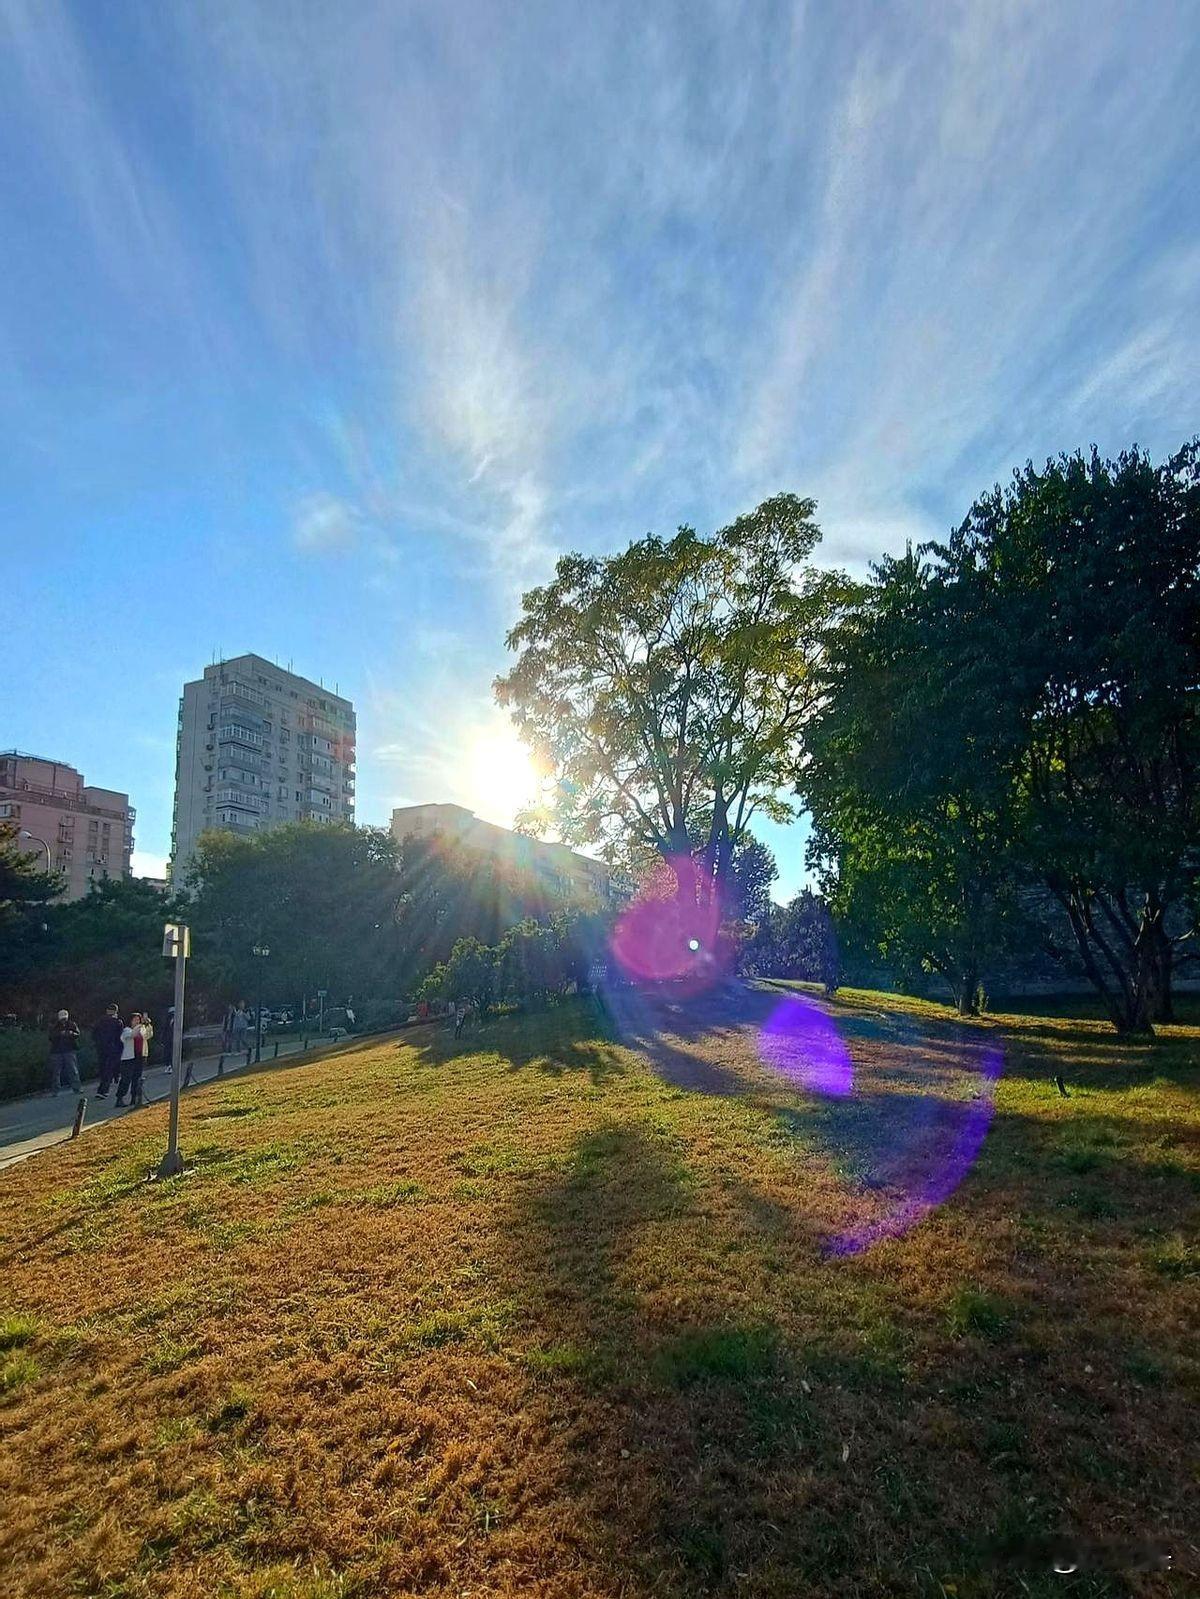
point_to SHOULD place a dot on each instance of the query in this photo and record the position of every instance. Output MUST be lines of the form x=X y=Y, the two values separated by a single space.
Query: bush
x=24 y=1060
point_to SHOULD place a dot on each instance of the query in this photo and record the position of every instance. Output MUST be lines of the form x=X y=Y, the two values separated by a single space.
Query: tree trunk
x=1164 y=1009
x=966 y=991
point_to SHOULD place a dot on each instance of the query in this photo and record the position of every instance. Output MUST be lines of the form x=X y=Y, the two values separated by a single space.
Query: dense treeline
x=346 y=909
x=1007 y=750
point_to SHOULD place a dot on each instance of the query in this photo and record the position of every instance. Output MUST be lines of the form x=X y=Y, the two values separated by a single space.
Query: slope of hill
x=697 y=1297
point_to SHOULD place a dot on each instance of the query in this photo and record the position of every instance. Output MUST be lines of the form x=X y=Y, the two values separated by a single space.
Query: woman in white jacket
x=133 y=1061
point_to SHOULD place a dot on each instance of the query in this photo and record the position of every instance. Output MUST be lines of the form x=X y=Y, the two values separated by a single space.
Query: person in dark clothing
x=107 y=1037
x=64 y=1053
x=169 y=1038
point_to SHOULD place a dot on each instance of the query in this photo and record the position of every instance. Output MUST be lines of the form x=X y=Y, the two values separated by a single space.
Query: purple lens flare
x=917 y=1134
x=801 y=1042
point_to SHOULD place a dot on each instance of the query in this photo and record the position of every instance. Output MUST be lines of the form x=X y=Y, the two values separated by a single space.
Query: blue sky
x=324 y=327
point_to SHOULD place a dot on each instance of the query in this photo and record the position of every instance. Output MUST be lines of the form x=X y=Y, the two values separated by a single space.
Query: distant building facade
x=563 y=872
x=257 y=746
x=87 y=831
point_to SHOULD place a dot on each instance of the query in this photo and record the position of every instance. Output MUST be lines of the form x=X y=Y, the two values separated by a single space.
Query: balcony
x=241 y=797
x=249 y=696
x=235 y=733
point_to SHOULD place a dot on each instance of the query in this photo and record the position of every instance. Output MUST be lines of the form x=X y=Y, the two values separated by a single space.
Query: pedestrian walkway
x=39 y=1120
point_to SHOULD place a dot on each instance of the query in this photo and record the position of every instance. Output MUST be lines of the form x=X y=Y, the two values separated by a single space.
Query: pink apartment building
x=87 y=832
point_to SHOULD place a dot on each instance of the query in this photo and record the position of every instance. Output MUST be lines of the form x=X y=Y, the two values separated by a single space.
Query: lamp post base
x=171 y=1165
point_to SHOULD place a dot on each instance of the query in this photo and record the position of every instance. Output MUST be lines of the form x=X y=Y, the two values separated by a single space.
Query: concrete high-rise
x=87 y=832
x=258 y=746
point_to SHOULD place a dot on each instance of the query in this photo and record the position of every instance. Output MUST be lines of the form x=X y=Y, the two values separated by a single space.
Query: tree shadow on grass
x=674 y=1400
x=713 y=1444
x=572 y=1037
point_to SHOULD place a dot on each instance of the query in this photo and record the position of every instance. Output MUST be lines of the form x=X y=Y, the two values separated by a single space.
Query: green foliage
x=22 y=885
x=103 y=948
x=1010 y=745
x=796 y=940
x=325 y=901
x=667 y=688
x=911 y=831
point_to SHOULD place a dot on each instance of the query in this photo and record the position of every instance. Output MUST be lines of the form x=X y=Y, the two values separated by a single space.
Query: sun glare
x=502 y=776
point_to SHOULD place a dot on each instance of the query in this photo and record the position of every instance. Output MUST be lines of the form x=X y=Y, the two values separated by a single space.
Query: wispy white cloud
x=323 y=524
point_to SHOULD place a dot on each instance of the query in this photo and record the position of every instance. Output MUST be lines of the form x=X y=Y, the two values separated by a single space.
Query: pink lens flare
x=670 y=931
x=801 y=1042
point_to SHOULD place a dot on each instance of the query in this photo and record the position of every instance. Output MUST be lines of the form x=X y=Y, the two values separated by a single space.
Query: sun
x=501 y=775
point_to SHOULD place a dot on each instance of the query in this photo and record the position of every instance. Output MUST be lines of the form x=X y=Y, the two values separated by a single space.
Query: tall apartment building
x=87 y=831
x=257 y=746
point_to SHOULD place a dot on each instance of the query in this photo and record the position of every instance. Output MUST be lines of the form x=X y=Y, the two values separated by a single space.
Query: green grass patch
x=974 y=1314
x=18 y=1330
x=386 y=1196
x=717 y=1354
x=1178 y=1258
x=168 y=1355
x=20 y=1368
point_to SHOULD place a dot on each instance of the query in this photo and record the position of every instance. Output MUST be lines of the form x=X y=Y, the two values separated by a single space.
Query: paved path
x=33 y=1123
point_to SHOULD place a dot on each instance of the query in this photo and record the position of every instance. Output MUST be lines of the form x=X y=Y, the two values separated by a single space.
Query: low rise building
x=86 y=832
x=563 y=872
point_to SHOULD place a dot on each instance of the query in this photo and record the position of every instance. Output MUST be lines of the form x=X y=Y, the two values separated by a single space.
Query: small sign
x=177 y=940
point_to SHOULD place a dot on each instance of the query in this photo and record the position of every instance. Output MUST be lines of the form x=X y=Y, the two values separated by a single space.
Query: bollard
x=249 y=1056
x=276 y=1049
x=188 y=1079
x=78 y=1122
x=306 y=1043
x=221 y=1067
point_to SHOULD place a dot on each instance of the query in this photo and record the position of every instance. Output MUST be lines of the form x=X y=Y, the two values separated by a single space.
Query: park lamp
x=177 y=946
x=261 y=951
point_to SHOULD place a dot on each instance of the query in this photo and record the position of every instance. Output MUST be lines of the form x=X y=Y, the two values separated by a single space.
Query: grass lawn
x=607 y=1305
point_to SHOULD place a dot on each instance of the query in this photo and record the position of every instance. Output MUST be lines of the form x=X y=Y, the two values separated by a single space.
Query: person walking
x=107 y=1037
x=64 y=1052
x=169 y=1037
x=147 y=1037
x=133 y=1062
x=240 y=1026
x=460 y=1016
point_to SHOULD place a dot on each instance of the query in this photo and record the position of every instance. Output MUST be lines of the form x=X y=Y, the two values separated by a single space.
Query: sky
x=325 y=327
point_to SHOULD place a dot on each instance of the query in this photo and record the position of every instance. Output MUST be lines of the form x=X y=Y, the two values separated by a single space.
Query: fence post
x=249 y=1056
x=276 y=1056
x=221 y=1067
x=80 y=1107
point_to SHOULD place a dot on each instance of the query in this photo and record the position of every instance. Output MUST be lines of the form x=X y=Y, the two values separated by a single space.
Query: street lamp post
x=177 y=942
x=261 y=951
x=34 y=839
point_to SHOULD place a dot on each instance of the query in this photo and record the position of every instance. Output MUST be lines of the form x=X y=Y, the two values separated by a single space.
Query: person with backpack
x=64 y=1053
x=133 y=1062
x=107 y=1037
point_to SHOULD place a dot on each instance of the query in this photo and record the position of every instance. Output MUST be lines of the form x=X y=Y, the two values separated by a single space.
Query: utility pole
x=177 y=942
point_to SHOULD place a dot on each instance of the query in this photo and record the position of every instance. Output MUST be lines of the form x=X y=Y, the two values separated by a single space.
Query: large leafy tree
x=912 y=825
x=326 y=902
x=666 y=689
x=1075 y=597
x=1014 y=713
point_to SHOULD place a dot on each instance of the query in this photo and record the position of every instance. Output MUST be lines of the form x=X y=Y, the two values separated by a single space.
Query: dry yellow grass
x=553 y=1315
